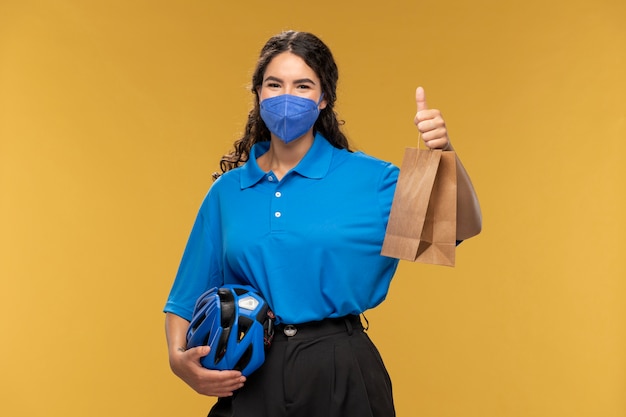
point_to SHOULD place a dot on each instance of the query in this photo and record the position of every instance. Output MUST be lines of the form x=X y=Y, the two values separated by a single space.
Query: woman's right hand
x=186 y=365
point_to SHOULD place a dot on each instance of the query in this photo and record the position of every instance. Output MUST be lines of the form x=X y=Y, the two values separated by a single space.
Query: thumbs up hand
x=430 y=123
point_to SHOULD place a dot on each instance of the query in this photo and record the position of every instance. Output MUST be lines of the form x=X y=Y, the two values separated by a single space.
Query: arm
x=185 y=363
x=431 y=125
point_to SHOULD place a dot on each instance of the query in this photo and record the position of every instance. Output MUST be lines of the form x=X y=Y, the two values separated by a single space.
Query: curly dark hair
x=317 y=56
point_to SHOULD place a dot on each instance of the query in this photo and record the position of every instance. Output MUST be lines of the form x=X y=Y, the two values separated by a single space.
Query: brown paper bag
x=422 y=222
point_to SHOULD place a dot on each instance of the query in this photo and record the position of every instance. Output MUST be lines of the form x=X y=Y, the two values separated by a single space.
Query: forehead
x=289 y=66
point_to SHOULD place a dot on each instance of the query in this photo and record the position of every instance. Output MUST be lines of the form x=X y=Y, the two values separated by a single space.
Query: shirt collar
x=314 y=164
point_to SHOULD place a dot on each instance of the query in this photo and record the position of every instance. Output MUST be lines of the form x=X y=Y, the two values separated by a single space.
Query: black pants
x=327 y=369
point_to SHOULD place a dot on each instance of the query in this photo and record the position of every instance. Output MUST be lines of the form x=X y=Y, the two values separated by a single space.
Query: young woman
x=300 y=217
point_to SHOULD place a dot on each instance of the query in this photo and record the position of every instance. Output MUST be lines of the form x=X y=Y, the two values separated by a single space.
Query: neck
x=283 y=157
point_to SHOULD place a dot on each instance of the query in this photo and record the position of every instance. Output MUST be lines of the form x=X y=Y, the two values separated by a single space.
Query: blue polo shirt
x=310 y=243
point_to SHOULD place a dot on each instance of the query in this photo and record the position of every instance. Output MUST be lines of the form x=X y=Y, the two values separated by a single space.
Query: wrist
x=175 y=352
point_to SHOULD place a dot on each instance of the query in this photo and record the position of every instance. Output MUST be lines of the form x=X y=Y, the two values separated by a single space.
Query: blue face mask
x=288 y=116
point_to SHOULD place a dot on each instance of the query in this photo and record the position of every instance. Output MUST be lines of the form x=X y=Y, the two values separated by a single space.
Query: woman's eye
x=303 y=87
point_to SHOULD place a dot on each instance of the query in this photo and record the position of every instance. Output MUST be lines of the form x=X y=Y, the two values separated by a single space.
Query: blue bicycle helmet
x=236 y=322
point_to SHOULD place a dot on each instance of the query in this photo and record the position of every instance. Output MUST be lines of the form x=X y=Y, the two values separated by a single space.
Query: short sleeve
x=199 y=268
x=387 y=188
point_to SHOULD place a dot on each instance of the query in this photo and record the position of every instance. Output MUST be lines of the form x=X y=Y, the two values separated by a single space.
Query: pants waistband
x=313 y=329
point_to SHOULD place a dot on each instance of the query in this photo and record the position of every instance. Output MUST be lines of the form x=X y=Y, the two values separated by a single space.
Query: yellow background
x=113 y=114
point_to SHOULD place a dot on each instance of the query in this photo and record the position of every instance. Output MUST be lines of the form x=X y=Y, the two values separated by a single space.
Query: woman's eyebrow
x=304 y=80
x=298 y=81
x=272 y=78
